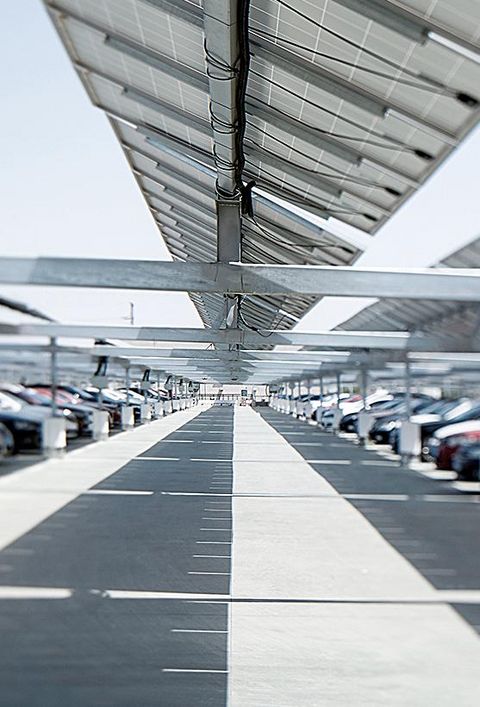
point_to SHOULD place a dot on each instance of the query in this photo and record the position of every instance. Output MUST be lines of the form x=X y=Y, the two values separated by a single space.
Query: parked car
x=466 y=461
x=7 y=442
x=443 y=444
x=83 y=413
x=348 y=423
x=39 y=405
x=25 y=427
x=388 y=420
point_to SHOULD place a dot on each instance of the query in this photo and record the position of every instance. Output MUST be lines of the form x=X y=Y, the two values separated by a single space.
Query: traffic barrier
x=145 y=412
x=100 y=425
x=54 y=436
x=127 y=418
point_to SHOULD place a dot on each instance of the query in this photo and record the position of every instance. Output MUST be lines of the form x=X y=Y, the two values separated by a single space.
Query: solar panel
x=448 y=319
x=348 y=109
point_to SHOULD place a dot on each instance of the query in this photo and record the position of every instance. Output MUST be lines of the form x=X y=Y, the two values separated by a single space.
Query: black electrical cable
x=327 y=209
x=312 y=244
x=460 y=96
x=396 y=146
x=353 y=180
x=245 y=323
x=433 y=87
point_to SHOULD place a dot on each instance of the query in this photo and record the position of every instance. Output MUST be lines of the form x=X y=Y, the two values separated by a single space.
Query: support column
x=409 y=433
x=54 y=438
x=53 y=374
x=364 y=419
x=128 y=418
x=318 y=415
x=337 y=413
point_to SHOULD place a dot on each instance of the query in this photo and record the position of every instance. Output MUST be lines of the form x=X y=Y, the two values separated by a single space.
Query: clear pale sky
x=66 y=190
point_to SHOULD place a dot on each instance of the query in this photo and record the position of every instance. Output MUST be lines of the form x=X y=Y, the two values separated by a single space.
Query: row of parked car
x=24 y=408
x=449 y=428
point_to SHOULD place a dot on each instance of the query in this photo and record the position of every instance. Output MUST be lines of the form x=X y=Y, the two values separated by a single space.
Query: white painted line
x=138 y=594
x=34 y=593
x=184 y=670
x=223 y=574
x=330 y=462
x=17 y=551
x=440 y=572
x=212 y=542
x=178 y=441
x=205 y=441
x=114 y=492
x=156 y=459
x=217 y=530
x=377 y=497
x=194 y=493
x=217 y=557
x=217 y=510
x=195 y=630
x=208 y=518
x=375 y=462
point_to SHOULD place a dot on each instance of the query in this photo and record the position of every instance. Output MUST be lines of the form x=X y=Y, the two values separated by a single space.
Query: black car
x=348 y=423
x=7 y=442
x=387 y=420
x=25 y=428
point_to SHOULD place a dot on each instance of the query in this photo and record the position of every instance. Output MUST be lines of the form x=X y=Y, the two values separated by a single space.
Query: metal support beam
x=400 y=341
x=53 y=374
x=227 y=63
x=441 y=284
x=228 y=231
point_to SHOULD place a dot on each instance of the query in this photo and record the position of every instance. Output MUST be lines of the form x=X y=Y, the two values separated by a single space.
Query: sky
x=66 y=190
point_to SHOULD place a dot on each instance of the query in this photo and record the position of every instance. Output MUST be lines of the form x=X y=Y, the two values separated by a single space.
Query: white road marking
x=34 y=593
x=139 y=594
x=375 y=462
x=331 y=462
x=156 y=459
x=114 y=492
x=377 y=497
x=178 y=441
x=217 y=557
x=17 y=551
x=223 y=574
x=185 y=670
x=195 y=630
x=217 y=530
x=194 y=493
x=213 y=542
x=208 y=518
x=217 y=510
x=440 y=572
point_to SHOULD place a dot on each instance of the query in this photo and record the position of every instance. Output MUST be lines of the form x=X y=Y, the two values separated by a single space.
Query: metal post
x=339 y=390
x=364 y=387
x=127 y=385
x=408 y=391
x=322 y=393
x=53 y=373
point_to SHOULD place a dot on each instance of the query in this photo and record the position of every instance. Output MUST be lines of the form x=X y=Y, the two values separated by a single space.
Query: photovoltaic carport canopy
x=349 y=106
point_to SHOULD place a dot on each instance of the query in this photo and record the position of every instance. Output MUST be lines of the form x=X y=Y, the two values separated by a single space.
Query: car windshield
x=8 y=402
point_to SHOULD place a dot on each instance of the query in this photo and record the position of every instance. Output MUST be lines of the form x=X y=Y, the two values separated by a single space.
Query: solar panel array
x=448 y=319
x=347 y=110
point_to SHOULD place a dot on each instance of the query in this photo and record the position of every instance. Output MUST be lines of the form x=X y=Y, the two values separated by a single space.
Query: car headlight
x=387 y=426
x=24 y=425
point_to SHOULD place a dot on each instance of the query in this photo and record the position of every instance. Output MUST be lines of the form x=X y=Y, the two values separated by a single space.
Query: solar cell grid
x=347 y=113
